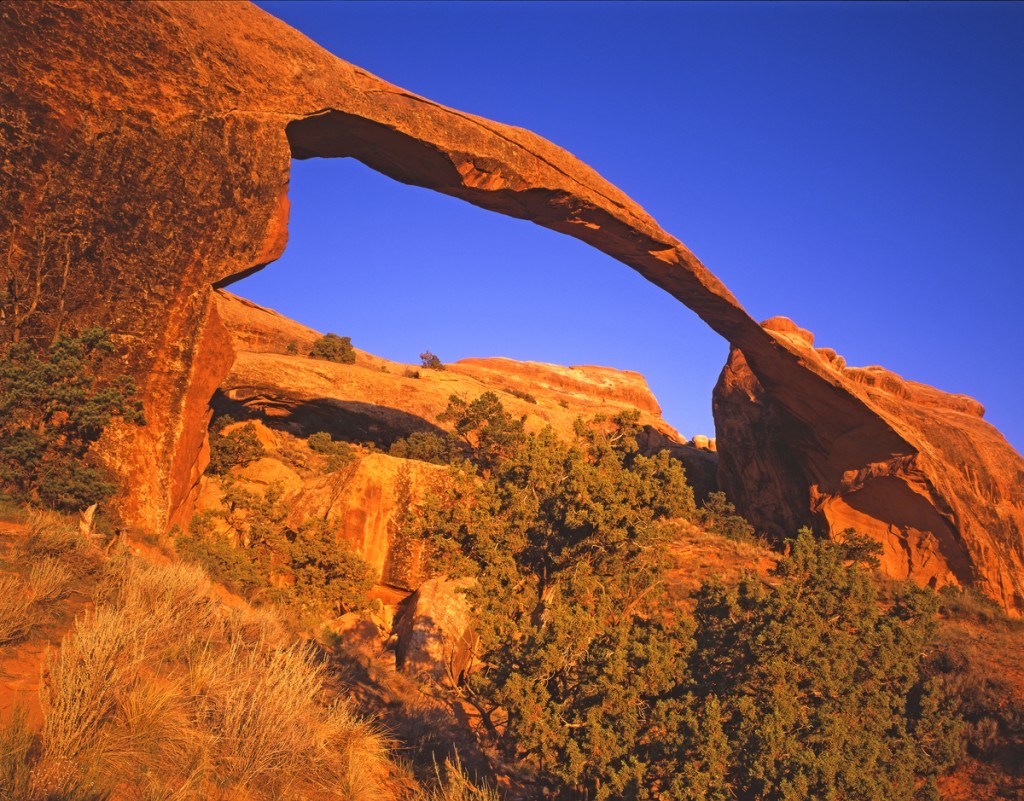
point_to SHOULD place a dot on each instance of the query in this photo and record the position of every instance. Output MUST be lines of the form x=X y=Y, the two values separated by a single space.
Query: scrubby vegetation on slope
x=162 y=691
x=589 y=677
x=803 y=688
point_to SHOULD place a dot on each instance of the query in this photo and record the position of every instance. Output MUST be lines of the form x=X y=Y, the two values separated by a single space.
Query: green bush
x=718 y=515
x=568 y=547
x=333 y=348
x=808 y=689
x=235 y=566
x=430 y=361
x=426 y=447
x=339 y=454
x=235 y=449
x=330 y=578
x=54 y=405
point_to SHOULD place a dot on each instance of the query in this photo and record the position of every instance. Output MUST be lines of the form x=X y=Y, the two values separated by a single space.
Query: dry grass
x=56 y=537
x=23 y=600
x=162 y=692
x=16 y=742
x=455 y=784
x=16 y=610
x=48 y=581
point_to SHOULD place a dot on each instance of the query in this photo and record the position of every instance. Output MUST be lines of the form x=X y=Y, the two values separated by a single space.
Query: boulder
x=435 y=635
x=264 y=473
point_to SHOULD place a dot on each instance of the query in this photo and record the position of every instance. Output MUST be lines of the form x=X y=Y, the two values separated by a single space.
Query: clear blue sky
x=857 y=167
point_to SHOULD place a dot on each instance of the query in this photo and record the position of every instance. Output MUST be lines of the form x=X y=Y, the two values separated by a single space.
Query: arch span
x=157 y=150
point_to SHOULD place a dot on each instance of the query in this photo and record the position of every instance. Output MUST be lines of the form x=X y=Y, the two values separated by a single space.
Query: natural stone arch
x=157 y=138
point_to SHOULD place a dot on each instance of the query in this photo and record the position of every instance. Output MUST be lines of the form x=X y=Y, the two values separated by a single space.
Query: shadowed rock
x=944 y=497
x=146 y=155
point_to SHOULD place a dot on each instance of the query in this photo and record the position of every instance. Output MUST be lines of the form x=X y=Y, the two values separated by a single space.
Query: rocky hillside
x=288 y=396
x=379 y=400
x=203 y=147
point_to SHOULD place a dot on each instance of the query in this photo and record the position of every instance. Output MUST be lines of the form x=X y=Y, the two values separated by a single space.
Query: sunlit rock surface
x=146 y=150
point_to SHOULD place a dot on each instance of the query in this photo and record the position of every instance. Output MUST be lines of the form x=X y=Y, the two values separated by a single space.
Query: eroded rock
x=918 y=469
x=435 y=632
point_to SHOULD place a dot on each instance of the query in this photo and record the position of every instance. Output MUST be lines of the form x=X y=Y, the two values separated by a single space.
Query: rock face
x=146 y=150
x=286 y=396
x=379 y=400
x=922 y=472
x=435 y=632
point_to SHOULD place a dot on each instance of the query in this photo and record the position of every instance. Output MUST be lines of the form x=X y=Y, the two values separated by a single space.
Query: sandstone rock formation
x=146 y=150
x=286 y=396
x=378 y=400
x=924 y=474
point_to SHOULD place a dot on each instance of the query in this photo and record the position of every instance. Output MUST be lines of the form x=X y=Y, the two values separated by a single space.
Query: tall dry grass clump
x=162 y=692
x=16 y=743
x=53 y=534
x=49 y=580
x=23 y=600
x=16 y=613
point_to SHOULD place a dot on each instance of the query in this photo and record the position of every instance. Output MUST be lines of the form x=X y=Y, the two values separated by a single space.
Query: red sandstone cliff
x=946 y=502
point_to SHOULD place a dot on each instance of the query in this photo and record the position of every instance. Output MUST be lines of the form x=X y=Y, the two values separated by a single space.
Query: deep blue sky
x=857 y=167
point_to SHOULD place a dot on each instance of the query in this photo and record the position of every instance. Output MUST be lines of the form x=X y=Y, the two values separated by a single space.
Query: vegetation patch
x=805 y=688
x=237 y=448
x=334 y=348
x=54 y=405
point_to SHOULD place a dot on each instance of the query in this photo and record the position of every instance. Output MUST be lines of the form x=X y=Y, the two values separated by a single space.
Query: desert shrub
x=53 y=536
x=430 y=361
x=12 y=509
x=426 y=446
x=229 y=564
x=237 y=448
x=16 y=743
x=568 y=546
x=329 y=576
x=333 y=348
x=491 y=434
x=410 y=373
x=987 y=700
x=455 y=784
x=322 y=442
x=803 y=689
x=807 y=689
x=403 y=567
x=48 y=580
x=718 y=515
x=54 y=405
x=969 y=604
x=291 y=348
x=339 y=454
x=521 y=394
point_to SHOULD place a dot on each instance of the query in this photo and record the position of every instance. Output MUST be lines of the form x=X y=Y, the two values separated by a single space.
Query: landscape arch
x=166 y=176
